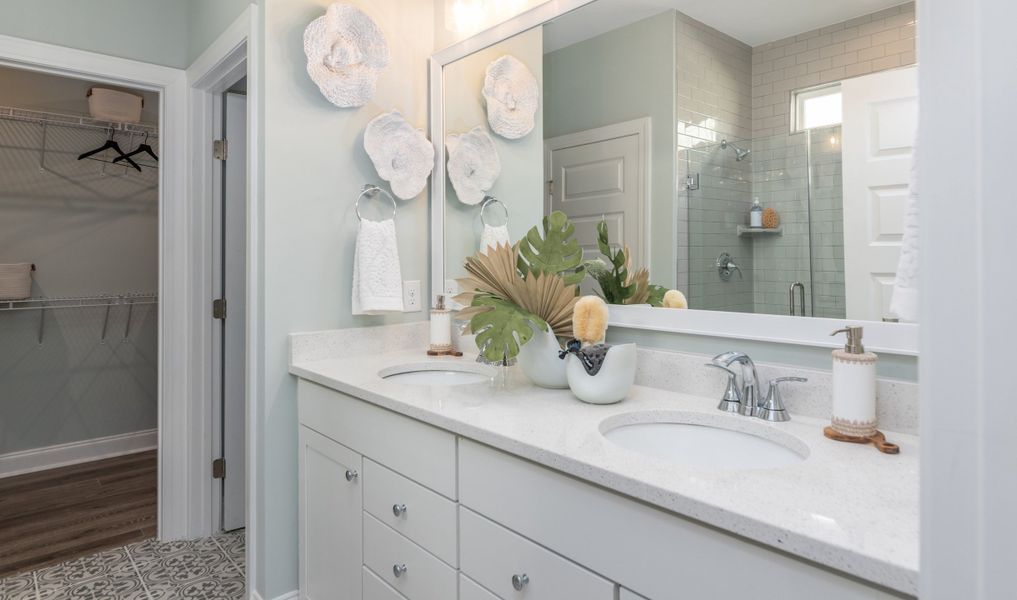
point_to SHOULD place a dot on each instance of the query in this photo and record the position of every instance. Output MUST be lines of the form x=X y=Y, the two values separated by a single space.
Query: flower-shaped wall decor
x=473 y=164
x=401 y=154
x=346 y=52
x=511 y=92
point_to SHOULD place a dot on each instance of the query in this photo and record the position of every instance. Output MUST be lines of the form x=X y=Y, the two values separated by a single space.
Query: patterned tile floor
x=205 y=569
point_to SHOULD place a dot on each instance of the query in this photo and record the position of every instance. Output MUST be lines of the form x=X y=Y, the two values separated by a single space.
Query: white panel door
x=234 y=252
x=880 y=122
x=330 y=519
x=601 y=174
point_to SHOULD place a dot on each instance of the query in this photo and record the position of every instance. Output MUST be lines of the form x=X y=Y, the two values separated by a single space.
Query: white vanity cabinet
x=330 y=517
x=392 y=508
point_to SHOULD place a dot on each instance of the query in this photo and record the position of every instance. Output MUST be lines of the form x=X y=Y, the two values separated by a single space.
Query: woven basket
x=15 y=281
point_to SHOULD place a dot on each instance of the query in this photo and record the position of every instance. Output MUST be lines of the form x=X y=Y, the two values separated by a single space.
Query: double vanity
x=436 y=479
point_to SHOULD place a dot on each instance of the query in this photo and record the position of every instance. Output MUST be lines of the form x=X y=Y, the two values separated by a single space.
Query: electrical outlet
x=451 y=290
x=411 y=296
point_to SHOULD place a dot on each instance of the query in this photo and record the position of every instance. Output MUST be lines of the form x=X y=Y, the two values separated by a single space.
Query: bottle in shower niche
x=756 y=214
x=854 y=387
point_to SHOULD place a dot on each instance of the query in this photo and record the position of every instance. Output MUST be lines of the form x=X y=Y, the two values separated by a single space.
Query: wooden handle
x=877 y=439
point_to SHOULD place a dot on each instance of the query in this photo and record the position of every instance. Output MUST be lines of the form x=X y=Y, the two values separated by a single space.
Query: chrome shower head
x=740 y=153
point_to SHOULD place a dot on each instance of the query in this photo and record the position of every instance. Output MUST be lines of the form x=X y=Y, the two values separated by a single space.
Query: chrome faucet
x=746 y=398
x=751 y=394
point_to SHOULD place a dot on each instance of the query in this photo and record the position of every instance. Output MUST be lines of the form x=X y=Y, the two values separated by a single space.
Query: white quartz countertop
x=846 y=506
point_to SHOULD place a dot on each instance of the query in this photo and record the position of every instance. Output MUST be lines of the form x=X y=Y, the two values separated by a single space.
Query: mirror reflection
x=756 y=165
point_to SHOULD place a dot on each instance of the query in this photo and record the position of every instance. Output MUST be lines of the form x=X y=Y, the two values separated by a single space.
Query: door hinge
x=220 y=148
x=550 y=187
x=219 y=309
x=219 y=468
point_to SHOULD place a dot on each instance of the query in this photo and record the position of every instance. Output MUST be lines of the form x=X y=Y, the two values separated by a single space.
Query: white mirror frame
x=890 y=338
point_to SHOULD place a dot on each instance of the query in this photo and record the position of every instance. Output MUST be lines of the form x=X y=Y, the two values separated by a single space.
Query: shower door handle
x=791 y=297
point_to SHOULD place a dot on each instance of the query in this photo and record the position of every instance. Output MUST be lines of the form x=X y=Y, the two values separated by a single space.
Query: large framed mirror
x=755 y=158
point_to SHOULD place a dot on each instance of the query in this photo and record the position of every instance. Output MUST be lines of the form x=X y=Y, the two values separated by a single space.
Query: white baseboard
x=287 y=596
x=39 y=459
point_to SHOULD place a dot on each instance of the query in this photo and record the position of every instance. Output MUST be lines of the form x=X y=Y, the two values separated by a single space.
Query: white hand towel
x=494 y=235
x=904 y=303
x=377 y=279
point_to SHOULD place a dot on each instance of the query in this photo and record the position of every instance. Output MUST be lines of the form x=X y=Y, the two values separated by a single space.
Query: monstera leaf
x=613 y=276
x=503 y=328
x=557 y=252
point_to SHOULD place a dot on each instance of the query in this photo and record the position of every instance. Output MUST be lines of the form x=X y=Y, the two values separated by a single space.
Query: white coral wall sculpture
x=511 y=93
x=346 y=51
x=473 y=164
x=401 y=154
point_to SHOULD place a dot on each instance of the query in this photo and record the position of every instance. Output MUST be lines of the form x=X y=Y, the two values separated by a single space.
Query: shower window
x=816 y=107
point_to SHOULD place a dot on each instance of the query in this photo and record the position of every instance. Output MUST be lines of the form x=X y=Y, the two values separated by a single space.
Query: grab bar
x=791 y=297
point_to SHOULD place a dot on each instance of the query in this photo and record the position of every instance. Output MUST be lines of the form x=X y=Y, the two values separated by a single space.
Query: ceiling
x=753 y=22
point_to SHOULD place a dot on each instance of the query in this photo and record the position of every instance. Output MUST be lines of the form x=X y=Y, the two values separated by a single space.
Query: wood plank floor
x=56 y=515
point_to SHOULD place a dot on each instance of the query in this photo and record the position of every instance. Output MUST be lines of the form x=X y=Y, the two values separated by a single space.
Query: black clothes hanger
x=110 y=144
x=143 y=147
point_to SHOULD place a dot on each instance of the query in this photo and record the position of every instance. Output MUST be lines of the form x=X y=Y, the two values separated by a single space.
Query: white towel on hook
x=493 y=235
x=377 y=279
x=904 y=303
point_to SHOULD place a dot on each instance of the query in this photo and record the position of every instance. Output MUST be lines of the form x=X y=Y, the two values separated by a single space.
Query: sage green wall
x=206 y=19
x=152 y=31
x=164 y=32
x=520 y=186
x=625 y=74
x=313 y=166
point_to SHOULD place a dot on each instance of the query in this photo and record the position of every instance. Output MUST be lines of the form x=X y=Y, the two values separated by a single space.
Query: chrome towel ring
x=370 y=191
x=488 y=201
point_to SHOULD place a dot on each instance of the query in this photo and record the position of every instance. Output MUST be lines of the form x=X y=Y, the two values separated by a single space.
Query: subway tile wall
x=712 y=105
x=867 y=44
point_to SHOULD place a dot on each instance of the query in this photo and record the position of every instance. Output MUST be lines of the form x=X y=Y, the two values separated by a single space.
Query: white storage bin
x=15 y=281
x=112 y=105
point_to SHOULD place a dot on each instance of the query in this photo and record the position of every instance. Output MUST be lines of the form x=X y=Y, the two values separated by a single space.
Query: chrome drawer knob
x=520 y=581
x=398 y=570
x=351 y=474
x=398 y=509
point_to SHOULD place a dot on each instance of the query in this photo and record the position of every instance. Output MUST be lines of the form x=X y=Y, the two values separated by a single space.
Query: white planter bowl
x=611 y=384
x=539 y=361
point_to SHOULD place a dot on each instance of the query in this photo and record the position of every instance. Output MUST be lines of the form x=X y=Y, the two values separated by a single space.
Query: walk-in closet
x=79 y=272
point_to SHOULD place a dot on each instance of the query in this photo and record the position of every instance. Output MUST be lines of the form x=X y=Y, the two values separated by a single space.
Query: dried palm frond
x=544 y=295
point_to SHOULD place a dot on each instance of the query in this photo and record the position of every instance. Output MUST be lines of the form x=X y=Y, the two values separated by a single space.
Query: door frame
x=233 y=55
x=637 y=127
x=174 y=308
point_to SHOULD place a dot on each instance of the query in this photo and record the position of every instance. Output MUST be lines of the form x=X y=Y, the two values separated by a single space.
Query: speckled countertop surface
x=845 y=506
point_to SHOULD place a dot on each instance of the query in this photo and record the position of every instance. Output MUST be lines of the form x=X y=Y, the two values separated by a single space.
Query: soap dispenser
x=441 y=331
x=756 y=214
x=854 y=387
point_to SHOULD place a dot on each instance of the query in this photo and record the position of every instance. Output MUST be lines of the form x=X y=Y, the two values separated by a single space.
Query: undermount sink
x=708 y=446
x=442 y=373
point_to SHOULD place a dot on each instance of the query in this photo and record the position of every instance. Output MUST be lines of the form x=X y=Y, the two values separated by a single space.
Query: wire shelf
x=78 y=301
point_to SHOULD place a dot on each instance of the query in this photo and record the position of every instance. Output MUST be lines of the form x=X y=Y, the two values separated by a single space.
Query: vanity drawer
x=376 y=589
x=647 y=550
x=471 y=590
x=426 y=577
x=429 y=519
x=419 y=451
x=493 y=556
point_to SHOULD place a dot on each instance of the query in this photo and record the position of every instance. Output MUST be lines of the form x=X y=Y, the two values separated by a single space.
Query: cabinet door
x=330 y=521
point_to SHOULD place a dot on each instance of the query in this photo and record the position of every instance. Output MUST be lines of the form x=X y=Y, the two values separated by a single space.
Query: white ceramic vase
x=539 y=361
x=611 y=384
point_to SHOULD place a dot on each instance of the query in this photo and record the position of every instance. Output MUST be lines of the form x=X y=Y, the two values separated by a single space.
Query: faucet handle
x=773 y=408
x=732 y=399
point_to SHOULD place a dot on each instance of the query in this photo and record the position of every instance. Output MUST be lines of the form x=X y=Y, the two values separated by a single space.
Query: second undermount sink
x=438 y=373
x=706 y=446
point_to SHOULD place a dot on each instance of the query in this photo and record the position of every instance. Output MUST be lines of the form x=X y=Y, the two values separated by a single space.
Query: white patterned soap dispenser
x=854 y=394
